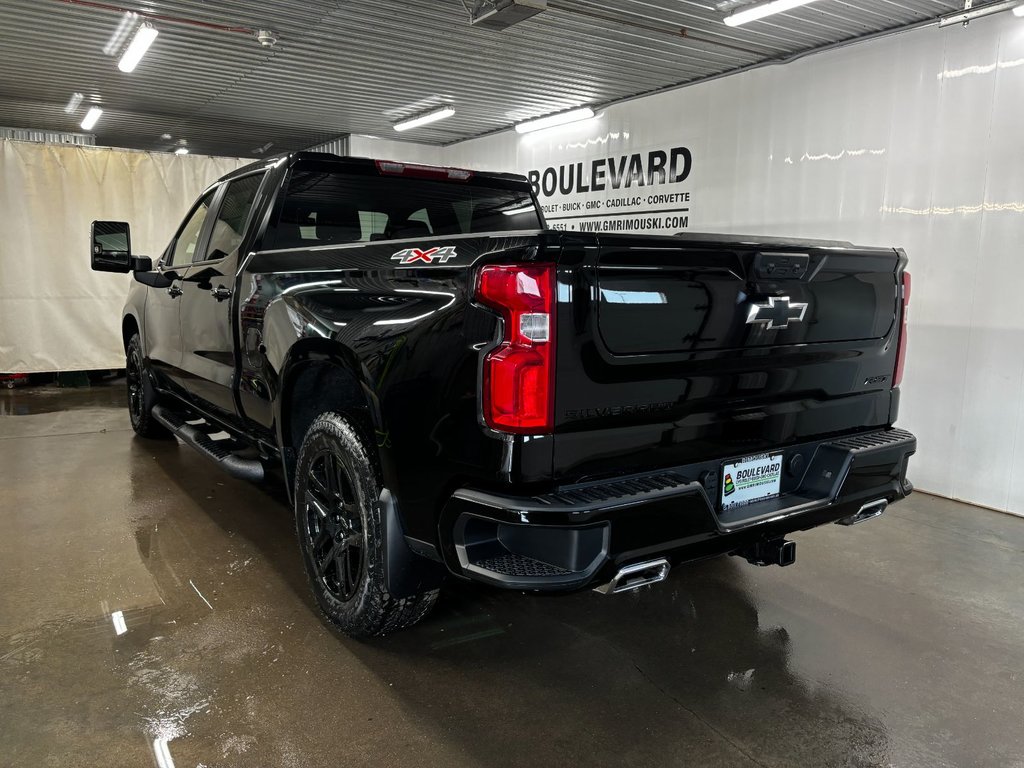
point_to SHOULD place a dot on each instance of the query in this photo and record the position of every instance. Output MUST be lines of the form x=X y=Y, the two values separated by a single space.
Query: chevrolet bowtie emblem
x=777 y=314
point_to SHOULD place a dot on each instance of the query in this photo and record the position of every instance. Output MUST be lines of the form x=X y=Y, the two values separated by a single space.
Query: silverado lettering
x=615 y=410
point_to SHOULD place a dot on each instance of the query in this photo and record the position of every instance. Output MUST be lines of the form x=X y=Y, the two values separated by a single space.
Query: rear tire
x=341 y=533
x=142 y=395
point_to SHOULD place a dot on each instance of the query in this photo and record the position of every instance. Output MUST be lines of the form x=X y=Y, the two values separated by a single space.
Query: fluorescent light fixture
x=756 y=12
x=572 y=116
x=962 y=17
x=119 y=625
x=1019 y=11
x=427 y=117
x=502 y=14
x=74 y=102
x=181 y=151
x=91 y=117
x=144 y=37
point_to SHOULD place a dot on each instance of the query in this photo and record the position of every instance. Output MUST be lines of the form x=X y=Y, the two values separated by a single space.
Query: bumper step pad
x=615 y=489
x=510 y=564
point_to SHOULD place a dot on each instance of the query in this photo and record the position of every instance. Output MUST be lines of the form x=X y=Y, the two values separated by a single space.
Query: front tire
x=341 y=533
x=142 y=394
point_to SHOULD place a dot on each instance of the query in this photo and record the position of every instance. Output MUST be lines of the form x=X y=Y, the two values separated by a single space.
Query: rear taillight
x=901 y=348
x=518 y=376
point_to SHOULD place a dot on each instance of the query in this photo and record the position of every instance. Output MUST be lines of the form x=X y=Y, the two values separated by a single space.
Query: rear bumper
x=583 y=534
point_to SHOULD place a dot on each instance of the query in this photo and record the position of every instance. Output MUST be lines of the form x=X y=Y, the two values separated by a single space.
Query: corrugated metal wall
x=337 y=146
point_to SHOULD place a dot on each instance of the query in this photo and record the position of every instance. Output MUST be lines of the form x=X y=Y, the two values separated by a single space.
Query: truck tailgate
x=685 y=349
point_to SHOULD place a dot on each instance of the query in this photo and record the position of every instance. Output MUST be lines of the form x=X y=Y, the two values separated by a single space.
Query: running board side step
x=869 y=511
x=243 y=469
x=634 y=576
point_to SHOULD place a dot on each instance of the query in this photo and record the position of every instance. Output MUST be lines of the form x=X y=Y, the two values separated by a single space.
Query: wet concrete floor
x=153 y=611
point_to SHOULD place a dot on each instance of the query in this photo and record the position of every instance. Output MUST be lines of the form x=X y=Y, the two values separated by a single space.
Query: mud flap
x=406 y=573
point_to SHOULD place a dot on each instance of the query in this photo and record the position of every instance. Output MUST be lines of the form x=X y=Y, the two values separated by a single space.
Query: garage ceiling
x=358 y=66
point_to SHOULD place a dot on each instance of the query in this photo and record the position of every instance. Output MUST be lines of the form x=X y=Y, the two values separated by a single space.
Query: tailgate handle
x=781 y=266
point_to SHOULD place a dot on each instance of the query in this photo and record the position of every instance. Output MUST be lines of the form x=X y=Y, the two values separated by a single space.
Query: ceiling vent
x=501 y=14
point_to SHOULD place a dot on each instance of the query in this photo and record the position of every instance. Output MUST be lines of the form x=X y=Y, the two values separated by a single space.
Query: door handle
x=174 y=291
x=220 y=293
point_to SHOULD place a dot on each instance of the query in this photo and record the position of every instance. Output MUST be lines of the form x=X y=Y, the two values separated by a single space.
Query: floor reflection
x=684 y=668
x=29 y=401
x=871 y=651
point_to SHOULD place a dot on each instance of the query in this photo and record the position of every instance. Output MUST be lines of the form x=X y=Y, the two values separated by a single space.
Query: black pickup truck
x=451 y=390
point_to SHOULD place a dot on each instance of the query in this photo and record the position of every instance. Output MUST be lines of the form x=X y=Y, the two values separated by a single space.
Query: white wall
x=915 y=140
x=388 y=149
x=55 y=313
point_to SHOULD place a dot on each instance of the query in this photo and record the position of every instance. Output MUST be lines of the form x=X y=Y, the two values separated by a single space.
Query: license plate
x=751 y=479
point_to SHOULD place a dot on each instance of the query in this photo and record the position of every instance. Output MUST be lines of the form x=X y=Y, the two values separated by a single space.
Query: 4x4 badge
x=429 y=256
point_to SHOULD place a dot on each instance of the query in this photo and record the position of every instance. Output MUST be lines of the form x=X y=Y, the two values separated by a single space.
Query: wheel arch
x=320 y=376
x=129 y=327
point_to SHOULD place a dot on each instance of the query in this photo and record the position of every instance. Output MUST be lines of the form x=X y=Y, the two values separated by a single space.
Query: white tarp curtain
x=55 y=313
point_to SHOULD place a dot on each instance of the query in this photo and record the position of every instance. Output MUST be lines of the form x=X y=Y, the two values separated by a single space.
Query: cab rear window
x=334 y=207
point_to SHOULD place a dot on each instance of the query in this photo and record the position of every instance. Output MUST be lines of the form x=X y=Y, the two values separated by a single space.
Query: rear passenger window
x=187 y=241
x=229 y=227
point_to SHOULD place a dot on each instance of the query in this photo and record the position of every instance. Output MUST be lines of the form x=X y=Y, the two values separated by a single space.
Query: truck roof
x=290 y=158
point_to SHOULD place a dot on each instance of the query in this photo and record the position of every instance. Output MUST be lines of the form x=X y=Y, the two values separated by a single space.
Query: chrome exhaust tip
x=869 y=511
x=634 y=576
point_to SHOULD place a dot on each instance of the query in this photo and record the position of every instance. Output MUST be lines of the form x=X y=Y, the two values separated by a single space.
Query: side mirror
x=111 y=246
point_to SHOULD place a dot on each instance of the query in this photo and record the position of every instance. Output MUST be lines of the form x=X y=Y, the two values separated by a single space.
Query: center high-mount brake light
x=901 y=349
x=518 y=376
x=437 y=172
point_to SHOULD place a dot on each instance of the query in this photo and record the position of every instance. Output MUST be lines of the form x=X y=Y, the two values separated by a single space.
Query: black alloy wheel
x=342 y=533
x=334 y=526
x=142 y=395
x=133 y=374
